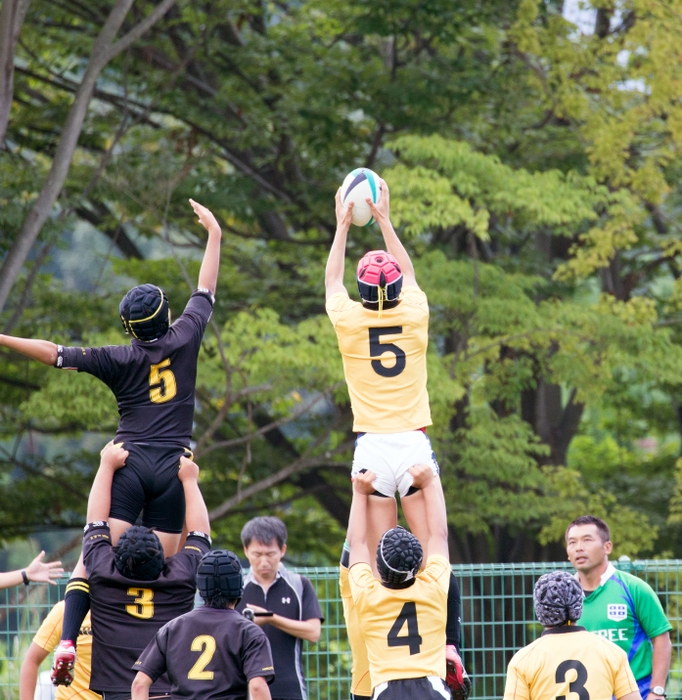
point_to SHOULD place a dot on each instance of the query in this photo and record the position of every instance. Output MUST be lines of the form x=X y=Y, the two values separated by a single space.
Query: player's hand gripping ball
x=360 y=185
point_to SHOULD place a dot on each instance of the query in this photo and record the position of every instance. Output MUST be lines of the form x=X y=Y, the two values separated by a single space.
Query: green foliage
x=533 y=173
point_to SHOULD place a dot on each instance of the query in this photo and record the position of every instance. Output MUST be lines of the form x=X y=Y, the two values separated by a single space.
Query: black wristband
x=24 y=575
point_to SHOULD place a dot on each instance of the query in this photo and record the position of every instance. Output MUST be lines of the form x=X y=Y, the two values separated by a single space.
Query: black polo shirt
x=290 y=595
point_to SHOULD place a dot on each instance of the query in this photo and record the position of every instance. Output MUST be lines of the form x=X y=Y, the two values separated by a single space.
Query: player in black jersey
x=135 y=590
x=212 y=652
x=153 y=380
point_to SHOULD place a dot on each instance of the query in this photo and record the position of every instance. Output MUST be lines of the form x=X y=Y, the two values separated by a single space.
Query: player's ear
x=284 y=549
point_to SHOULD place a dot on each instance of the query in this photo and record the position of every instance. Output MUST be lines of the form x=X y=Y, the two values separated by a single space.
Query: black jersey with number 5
x=154 y=383
x=208 y=654
x=126 y=613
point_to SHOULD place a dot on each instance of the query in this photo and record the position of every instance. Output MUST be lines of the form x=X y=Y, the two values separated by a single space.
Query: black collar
x=563 y=629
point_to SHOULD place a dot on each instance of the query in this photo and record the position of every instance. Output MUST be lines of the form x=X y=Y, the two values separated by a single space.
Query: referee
x=567 y=658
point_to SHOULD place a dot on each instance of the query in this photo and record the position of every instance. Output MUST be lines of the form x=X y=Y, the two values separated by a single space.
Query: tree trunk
x=12 y=14
x=103 y=51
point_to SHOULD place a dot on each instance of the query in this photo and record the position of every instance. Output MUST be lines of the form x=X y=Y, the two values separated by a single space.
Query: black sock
x=76 y=606
x=452 y=626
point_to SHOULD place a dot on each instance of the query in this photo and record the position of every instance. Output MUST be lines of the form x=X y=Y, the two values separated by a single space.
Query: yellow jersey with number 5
x=569 y=662
x=404 y=629
x=384 y=361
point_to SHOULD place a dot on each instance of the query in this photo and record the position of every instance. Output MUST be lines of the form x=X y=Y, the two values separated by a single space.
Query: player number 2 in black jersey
x=206 y=645
x=413 y=640
x=578 y=685
x=377 y=349
x=143 y=605
x=162 y=386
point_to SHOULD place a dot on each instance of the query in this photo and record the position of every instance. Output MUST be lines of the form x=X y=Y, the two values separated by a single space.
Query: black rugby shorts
x=149 y=484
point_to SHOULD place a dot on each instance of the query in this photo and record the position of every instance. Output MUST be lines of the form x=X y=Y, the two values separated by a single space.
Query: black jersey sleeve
x=257 y=655
x=194 y=319
x=98 y=553
x=152 y=661
x=310 y=605
x=100 y=362
x=188 y=558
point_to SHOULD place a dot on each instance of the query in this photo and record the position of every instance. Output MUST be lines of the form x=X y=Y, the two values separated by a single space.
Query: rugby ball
x=360 y=185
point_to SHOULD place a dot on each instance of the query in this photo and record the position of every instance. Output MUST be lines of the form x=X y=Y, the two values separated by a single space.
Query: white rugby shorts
x=390 y=455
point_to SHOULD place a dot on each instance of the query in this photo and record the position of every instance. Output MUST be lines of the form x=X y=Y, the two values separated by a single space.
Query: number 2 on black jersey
x=377 y=349
x=408 y=616
x=578 y=685
x=207 y=646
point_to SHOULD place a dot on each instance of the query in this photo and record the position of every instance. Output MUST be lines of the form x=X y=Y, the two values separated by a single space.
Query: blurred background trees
x=533 y=153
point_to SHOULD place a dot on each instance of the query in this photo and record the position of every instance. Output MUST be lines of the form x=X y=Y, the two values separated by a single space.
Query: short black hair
x=602 y=527
x=264 y=529
x=220 y=601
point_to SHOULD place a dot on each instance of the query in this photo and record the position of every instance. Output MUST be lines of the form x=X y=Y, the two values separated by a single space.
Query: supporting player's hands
x=422 y=474
x=206 y=217
x=113 y=456
x=189 y=470
x=344 y=213
x=380 y=210
x=44 y=572
x=363 y=483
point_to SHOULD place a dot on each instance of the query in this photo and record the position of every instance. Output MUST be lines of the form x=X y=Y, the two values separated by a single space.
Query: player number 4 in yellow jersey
x=413 y=640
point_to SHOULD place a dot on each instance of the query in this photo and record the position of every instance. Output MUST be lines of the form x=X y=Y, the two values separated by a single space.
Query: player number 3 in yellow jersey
x=567 y=660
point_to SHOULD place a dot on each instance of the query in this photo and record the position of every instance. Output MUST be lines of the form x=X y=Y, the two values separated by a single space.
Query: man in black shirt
x=154 y=381
x=212 y=652
x=134 y=590
x=290 y=600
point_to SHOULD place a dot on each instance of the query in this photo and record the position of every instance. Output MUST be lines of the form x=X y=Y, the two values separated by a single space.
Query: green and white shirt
x=626 y=610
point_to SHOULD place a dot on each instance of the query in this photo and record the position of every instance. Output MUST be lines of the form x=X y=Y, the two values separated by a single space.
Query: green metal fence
x=497 y=620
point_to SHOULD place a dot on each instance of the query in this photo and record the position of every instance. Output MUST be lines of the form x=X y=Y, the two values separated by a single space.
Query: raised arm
x=208 y=274
x=381 y=212
x=434 y=501
x=196 y=513
x=42 y=350
x=36 y=571
x=356 y=535
x=112 y=457
x=333 y=275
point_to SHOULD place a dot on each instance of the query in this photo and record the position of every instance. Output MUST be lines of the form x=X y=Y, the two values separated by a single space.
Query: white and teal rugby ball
x=360 y=185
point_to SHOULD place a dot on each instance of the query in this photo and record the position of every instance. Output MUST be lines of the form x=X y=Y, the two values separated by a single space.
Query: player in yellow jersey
x=383 y=343
x=401 y=615
x=567 y=660
x=44 y=642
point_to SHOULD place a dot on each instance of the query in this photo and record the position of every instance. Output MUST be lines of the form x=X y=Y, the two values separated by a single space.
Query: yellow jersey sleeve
x=437 y=569
x=624 y=681
x=48 y=635
x=339 y=304
x=516 y=687
x=360 y=580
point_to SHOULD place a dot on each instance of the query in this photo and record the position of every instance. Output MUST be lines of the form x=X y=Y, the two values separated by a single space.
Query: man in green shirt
x=620 y=607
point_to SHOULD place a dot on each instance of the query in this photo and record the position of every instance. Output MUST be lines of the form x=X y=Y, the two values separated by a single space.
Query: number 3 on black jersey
x=578 y=685
x=413 y=640
x=377 y=349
